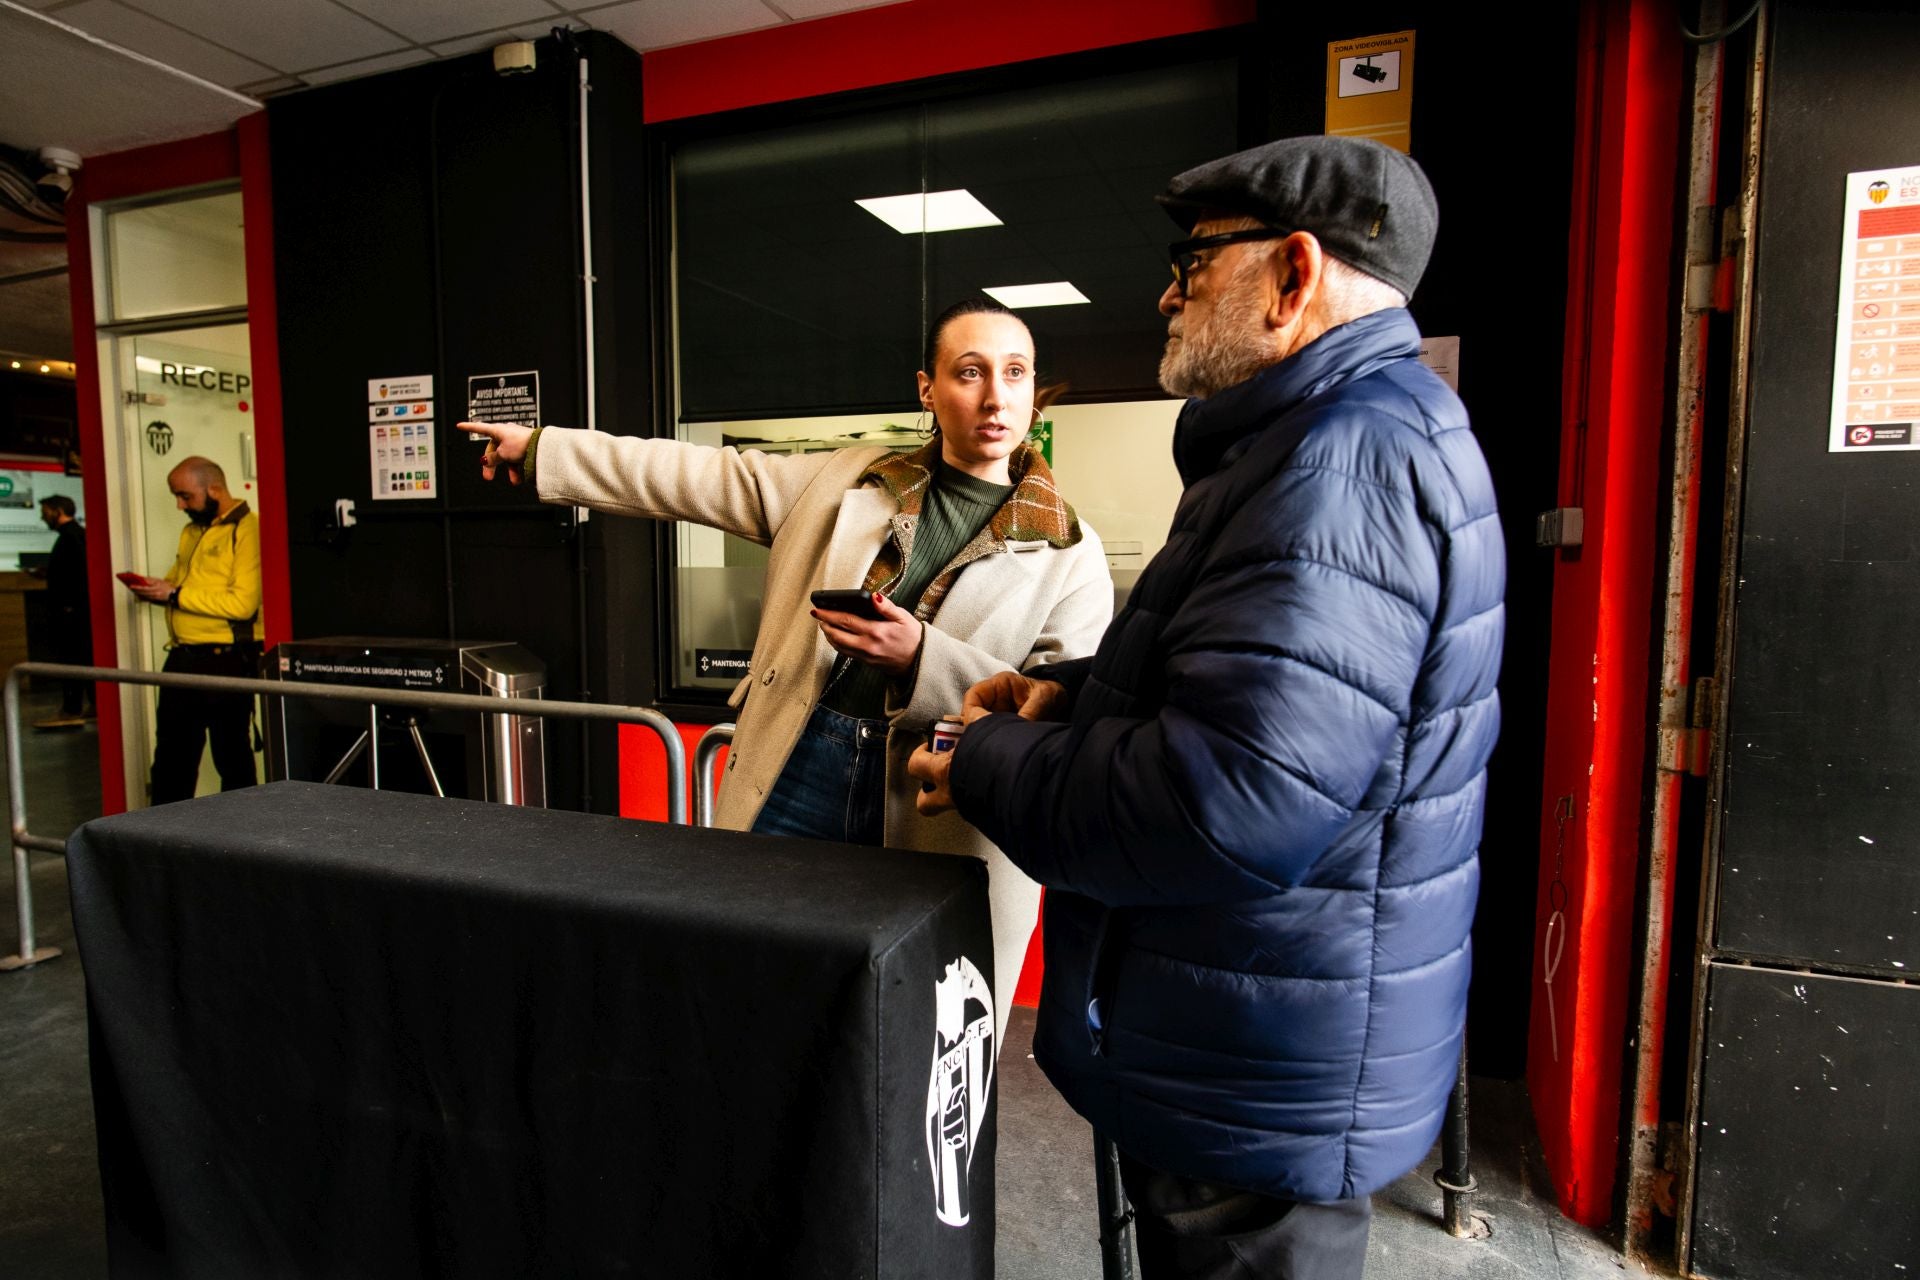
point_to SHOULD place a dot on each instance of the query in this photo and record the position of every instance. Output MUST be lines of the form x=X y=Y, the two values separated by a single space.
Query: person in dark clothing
x=1256 y=809
x=72 y=620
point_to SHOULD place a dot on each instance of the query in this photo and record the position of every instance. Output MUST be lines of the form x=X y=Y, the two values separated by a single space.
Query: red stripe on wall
x=1614 y=413
x=263 y=337
x=120 y=175
x=643 y=770
x=643 y=794
x=897 y=43
x=93 y=487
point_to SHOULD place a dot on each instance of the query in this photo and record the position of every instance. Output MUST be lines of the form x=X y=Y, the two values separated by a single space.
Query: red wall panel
x=269 y=441
x=900 y=42
x=1613 y=419
x=643 y=794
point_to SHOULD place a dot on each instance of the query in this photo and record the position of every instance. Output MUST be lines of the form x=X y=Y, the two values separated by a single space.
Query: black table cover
x=348 y=1033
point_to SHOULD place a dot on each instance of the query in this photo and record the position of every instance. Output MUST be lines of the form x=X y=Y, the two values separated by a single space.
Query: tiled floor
x=1047 y=1215
x=50 y=1212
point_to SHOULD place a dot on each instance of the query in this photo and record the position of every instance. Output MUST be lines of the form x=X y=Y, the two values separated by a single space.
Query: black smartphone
x=847 y=600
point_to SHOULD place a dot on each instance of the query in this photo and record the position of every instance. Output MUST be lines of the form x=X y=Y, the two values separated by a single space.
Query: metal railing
x=486 y=704
x=705 y=753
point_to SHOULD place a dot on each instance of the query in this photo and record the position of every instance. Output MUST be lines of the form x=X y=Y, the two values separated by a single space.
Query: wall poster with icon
x=1370 y=89
x=1876 y=357
x=400 y=437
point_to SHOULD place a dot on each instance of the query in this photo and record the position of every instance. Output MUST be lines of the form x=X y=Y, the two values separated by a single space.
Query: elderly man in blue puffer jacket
x=1256 y=808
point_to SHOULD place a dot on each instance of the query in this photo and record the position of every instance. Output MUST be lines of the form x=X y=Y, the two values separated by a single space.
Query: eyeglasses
x=1185 y=254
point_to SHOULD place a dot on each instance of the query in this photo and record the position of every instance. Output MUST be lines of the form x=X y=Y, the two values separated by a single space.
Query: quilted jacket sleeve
x=1287 y=669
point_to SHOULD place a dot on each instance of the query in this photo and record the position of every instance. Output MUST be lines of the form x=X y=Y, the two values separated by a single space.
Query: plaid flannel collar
x=1033 y=512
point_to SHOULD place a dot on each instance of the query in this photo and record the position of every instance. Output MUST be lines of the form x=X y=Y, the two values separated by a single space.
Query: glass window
x=1072 y=170
x=791 y=299
x=799 y=314
x=176 y=258
x=194 y=398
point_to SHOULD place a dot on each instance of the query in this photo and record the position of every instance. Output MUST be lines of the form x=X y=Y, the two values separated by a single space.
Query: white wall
x=1114 y=463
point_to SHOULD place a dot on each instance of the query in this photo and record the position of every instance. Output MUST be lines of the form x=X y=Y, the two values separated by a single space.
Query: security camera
x=514 y=57
x=57 y=181
x=1370 y=73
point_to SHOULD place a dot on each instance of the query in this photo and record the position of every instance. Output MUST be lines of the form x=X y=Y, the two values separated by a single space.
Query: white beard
x=1228 y=349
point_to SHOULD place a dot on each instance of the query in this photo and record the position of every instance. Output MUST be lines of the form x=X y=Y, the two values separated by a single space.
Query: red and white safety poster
x=1876 y=362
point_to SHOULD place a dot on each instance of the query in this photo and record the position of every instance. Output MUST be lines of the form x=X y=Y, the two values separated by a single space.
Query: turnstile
x=458 y=753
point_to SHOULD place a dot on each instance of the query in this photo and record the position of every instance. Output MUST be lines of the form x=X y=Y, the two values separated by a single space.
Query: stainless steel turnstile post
x=513 y=747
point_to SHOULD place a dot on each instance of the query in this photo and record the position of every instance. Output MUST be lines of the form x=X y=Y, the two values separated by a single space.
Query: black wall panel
x=427 y=222
x=1809 y=1131
x=1820 y=826
x=1498 y=280
x=1808 y=1127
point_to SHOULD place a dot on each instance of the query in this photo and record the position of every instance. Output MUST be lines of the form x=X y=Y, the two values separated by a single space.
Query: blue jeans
x=834 y=786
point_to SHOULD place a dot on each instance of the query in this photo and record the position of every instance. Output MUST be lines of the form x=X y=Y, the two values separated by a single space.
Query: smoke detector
x=514 y=57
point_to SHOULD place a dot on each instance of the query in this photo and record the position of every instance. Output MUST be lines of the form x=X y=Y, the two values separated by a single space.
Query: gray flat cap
x=1369 y=205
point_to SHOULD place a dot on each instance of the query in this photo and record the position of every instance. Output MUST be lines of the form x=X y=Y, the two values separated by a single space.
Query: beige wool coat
x=1027 y=603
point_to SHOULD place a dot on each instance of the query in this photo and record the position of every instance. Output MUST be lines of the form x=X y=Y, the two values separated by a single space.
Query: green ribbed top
x=957 y=507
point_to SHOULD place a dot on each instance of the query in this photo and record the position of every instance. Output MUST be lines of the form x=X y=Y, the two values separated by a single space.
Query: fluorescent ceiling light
x=934 y=211
x=1059 y=293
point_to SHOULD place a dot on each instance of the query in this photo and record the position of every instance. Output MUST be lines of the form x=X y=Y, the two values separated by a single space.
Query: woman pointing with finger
x=971 y=560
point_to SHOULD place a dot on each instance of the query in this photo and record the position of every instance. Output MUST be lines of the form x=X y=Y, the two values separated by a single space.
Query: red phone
x=131 y=579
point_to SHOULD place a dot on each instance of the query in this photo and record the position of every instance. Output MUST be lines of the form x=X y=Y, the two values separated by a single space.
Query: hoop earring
x=1039 y=416
x=924 y=431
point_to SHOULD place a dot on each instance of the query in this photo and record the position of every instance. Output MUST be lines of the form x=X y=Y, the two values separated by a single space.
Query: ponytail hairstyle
x=1043 y=396
x=964 y=307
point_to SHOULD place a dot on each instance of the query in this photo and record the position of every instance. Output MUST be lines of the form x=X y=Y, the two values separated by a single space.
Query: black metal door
x=1806 y=1127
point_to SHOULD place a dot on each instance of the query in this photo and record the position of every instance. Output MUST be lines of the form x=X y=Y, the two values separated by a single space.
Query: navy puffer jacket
x=1258 y=832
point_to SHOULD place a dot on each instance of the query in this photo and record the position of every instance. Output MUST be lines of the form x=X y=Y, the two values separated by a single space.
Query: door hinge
x=1688 y=748
x=1713 y=258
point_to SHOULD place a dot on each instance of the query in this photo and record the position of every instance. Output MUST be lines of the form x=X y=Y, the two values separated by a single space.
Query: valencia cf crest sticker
x=958 y=1089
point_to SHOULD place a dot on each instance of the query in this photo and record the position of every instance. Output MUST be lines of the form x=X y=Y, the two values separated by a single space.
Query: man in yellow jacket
x=212 y=599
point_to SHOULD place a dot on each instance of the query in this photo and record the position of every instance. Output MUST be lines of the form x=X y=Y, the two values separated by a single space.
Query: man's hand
x=931 y=768
x=506 y=448
x=152 y=590
x=892 y=643
x=1010 y=691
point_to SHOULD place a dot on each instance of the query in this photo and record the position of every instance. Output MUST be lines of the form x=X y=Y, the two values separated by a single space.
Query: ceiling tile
x=366 y=66
x=167 y=44
x=287 y=35
x=654 y=24
x=821 y=8
x=124 y=102
x=429 y=20
x=267 y=88
x=487 y=39
x=36 y=317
